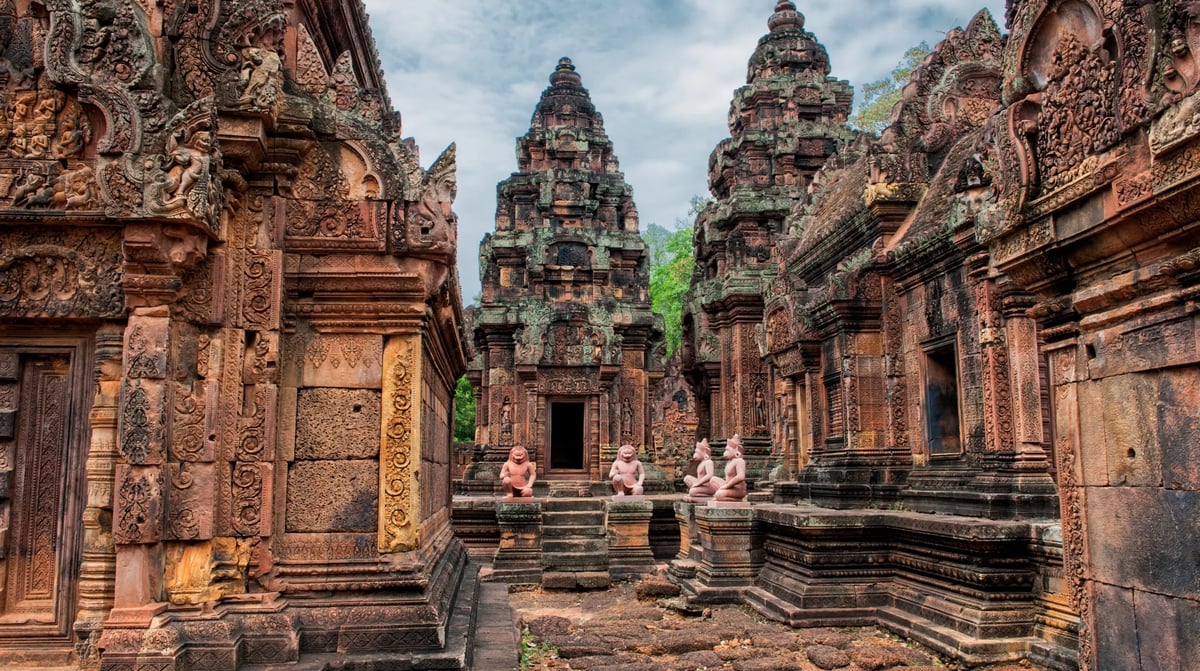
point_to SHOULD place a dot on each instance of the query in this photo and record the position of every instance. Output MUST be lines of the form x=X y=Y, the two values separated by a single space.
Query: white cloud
x=662 y=73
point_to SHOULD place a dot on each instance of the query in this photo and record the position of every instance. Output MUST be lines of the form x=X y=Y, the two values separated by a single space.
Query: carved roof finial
x=786 y=17
x=565 y=73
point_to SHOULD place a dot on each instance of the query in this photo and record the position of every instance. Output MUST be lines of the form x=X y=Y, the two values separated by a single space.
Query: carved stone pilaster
x=97 y=570
x=400 y=456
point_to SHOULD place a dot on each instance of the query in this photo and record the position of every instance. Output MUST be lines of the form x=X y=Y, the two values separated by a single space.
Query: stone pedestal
x=686 y=563
x=519 y=556
x=629 y=551
x=731 y=553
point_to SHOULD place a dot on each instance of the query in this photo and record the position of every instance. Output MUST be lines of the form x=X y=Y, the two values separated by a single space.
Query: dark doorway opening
x=566 y=437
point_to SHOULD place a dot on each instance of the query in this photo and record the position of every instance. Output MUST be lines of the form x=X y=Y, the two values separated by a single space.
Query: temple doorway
x=41 y=451
x=566 y=449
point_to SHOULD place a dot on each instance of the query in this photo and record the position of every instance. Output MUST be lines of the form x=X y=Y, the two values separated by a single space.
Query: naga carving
x=431 y=227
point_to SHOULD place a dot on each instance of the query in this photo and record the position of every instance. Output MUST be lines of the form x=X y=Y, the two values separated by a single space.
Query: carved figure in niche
x=760 y=408
x=518 y=474
x=627 y=473
x=72 y=136
x=187 y=165
x=614 y=349
x=733 y=486
x=626 y=417
x=262 y=77
x=183 y=181
x=701 y=486
x=506 y=419
x=597 y=342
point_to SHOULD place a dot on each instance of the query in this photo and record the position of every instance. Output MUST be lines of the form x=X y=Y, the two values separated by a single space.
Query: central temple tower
x=784 y=124
x=568 y=349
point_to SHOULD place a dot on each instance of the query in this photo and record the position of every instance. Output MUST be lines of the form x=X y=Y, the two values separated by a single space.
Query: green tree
x=464 y=412
x=879 y=97
x=672 y=259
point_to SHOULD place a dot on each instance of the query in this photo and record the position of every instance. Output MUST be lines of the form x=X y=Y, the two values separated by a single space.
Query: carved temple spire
x=787 y=48
x=566 y=131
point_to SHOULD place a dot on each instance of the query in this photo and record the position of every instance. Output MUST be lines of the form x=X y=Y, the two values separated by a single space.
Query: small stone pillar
x=688 y=560
x=629 y=551
x=519 y=556
x=731 y=552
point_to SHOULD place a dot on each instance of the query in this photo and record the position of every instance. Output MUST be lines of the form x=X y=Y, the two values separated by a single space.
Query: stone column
x=629 y=551
x=519 y=556
x=97 y=571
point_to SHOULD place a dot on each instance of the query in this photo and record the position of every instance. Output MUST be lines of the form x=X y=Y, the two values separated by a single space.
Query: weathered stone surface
x=337 y=424
x=701 y=659
x=769 y=663
x=827 y=657
x=1179 y=428
x=680 y=642
x=549 y=626
x=1122 y=519
x=334 y=496
x=654 y=587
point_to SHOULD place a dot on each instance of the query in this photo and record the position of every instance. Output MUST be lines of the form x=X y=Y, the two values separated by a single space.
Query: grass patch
x=533 y=653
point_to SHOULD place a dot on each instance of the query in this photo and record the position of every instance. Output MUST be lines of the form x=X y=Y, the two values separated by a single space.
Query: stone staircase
x=574 y=544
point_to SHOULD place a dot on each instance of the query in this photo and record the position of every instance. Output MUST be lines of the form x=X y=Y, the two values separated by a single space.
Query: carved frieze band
x=400 y=456
x=61 y=273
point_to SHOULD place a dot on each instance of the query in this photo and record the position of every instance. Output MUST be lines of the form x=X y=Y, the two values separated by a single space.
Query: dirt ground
x=630 y=628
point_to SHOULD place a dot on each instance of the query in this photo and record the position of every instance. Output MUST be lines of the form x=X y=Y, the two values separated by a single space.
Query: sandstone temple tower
x=569 y=350
x=784 y=124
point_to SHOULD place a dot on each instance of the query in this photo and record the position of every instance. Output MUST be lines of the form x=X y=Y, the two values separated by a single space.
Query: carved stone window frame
x=943 y=348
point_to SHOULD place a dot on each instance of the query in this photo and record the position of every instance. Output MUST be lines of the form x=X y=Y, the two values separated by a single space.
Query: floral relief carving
x=247 y=499
x=260 y=290
x=399 y=459
x=140 y=430
x=138 y=505
x=61 y=273
x=188 y=440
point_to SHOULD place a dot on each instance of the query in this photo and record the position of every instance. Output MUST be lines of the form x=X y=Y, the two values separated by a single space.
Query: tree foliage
x=464 y=412
x=672 y=259
x=879 y=97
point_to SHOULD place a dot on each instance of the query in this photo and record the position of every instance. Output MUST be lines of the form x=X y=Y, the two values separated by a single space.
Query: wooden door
x=37 y=477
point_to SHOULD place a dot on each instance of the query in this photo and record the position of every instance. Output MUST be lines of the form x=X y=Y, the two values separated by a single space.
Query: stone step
x=574 y=567
x=571 y=580
x=575 y=531
x=572 y=505
x=573 y=519
x=574 y=545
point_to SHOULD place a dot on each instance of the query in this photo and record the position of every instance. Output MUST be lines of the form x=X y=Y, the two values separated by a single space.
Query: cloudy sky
x=662 y=72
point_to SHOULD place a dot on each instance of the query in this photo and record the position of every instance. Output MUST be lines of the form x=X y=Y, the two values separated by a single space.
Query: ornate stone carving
x=142 y=422
x=260 y=290
x=191 y=500
x=399 y=459
x=61 y=273
x=185 y=182
x=250 y=502
x=430 y=225
x=138 y=507
x=310 y=71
